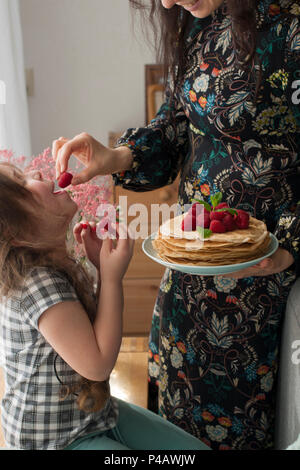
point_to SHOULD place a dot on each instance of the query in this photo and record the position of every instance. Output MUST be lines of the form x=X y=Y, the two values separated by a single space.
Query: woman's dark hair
x=169 y=26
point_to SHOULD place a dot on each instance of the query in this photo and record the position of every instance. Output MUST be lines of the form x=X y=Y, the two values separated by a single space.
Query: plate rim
x=207 y=269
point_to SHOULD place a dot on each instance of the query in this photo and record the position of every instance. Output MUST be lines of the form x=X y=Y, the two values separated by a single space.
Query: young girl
x=60 y=341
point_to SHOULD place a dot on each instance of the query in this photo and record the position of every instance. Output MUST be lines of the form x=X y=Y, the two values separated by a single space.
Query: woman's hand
x=114 y=261
x=276 y=263
x=85 y=234
x=98 y=159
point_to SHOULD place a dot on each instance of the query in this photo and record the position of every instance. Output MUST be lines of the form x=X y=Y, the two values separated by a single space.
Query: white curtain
x=14 y=120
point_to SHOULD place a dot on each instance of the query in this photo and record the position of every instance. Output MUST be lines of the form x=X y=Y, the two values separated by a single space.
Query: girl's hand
x=277 y=263
x=114 y=261
x=85 y=233
x=98 y=159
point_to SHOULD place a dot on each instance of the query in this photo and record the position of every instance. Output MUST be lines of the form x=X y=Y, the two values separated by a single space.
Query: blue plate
x=205 y=270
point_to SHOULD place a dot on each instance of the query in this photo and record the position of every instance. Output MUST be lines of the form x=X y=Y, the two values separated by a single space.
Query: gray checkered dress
x=33 y=417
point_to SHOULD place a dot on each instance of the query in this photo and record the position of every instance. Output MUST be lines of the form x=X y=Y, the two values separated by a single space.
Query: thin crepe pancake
x=176 y=246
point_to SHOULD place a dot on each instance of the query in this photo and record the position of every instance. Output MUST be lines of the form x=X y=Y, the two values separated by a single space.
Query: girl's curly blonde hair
x=21 y=251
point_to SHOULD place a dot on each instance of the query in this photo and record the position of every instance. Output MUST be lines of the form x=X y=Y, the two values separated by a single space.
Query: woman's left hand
x=276 y=263
x=85 y=234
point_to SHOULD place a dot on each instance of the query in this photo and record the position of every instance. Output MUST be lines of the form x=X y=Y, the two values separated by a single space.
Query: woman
x=230 y=124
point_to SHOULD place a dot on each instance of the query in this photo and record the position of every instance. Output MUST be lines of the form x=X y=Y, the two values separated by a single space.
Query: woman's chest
x=223 y=98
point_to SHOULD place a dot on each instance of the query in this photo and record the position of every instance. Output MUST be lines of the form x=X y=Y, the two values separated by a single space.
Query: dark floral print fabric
x=214 y=341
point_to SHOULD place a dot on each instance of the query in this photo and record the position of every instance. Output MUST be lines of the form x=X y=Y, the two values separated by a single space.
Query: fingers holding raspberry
x=85 y=234
x=116 y=254
x=93 y=228
x=57 y=145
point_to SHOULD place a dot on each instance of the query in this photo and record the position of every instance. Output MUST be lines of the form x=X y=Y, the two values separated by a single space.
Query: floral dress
x=214 y=344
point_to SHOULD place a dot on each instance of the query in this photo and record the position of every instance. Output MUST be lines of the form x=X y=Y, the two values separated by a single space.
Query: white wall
x=88 y=68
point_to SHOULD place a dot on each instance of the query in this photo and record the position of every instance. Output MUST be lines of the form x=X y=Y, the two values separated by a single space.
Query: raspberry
x=104 y=224
x=217 y=215
x=65 y=180
x=196 y=209
x=189 y=223
x=192 y=210
x=242 y=219
x=203 y=221
x=86 y=226
x=222 y=205
x=229 y=223
x=216 y=226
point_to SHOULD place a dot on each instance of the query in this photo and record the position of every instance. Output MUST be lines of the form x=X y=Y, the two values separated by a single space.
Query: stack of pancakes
x=176 y=246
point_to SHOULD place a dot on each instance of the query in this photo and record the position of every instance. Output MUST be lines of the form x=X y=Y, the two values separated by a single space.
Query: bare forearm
x=123 y=159
x=108 y=325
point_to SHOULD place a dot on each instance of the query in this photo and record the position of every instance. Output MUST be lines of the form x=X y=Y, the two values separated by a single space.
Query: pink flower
x=6 y=155
x=43 y=163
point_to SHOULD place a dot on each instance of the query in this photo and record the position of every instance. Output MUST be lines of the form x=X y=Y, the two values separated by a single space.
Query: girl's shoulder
x=43 y=282
x=44 y=287
x=41 y=275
